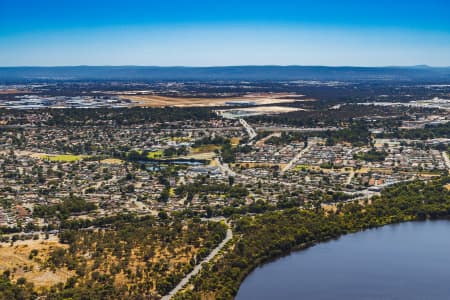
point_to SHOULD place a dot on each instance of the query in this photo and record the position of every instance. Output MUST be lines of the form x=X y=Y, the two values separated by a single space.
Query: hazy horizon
x=232 y=33
x=228 y=66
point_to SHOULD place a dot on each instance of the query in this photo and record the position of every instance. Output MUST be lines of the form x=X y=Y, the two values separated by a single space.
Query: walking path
x=199 y=266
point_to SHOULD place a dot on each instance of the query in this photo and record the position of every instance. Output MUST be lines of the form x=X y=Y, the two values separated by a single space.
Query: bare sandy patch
x=112 y=161
x=256 y=99
x=199 y=156
x=235 y=141
x=16 y=258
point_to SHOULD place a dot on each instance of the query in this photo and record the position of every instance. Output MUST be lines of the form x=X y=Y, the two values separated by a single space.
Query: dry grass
x=213 y=163
x=235 y=141
x=16 y=259
x=112 y=161
x=161 y=101
x=174 y=257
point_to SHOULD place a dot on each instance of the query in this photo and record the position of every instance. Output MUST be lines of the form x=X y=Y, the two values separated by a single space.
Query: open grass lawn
x=155 y=154
x=64 y=157
x=301 y=167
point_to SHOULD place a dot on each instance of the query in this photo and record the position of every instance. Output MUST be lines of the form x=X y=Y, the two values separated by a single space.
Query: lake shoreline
x=299 y=249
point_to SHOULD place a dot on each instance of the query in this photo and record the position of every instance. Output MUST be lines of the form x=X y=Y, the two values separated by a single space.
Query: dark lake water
x=402 y=261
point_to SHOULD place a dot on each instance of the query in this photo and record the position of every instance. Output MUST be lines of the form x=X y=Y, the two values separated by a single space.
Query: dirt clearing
x=251 y=99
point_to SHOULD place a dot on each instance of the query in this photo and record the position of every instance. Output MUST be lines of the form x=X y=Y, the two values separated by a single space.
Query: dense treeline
x=357 y=133
x=331 y=117
x=208 y=140
x=137 y=156
x=114 y=116
x=63 y=210
x=21 y=290
x=286 y=138
x=228 y=153
x=228 y=190
x=371 y=155
x=428 y=132
x=127 y=116
x=272 y=234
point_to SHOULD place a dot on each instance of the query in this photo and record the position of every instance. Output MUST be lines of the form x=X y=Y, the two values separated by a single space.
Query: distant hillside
x=422 y=73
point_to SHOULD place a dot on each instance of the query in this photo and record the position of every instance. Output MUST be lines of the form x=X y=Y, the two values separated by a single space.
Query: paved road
x=446 y=159
x=224 y=168
x=296 y=158
x=261 y=142
x=350 y=176
x=250 y=131
x=199 y=266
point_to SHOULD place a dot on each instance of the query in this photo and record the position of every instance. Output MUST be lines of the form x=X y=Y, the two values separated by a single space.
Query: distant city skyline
x=223 y=33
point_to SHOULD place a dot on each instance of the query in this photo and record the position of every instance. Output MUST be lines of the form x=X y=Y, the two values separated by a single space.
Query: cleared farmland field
x=256 y=99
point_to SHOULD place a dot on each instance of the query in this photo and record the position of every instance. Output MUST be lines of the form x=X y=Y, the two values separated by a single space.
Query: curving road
x=199 y=266
x=250 y=131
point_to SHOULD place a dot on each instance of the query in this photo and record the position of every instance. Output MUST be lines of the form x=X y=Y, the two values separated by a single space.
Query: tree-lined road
x=296 y=158
x=199 y=266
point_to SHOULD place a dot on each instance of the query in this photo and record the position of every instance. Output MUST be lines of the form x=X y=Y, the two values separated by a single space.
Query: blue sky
x=205 y=33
